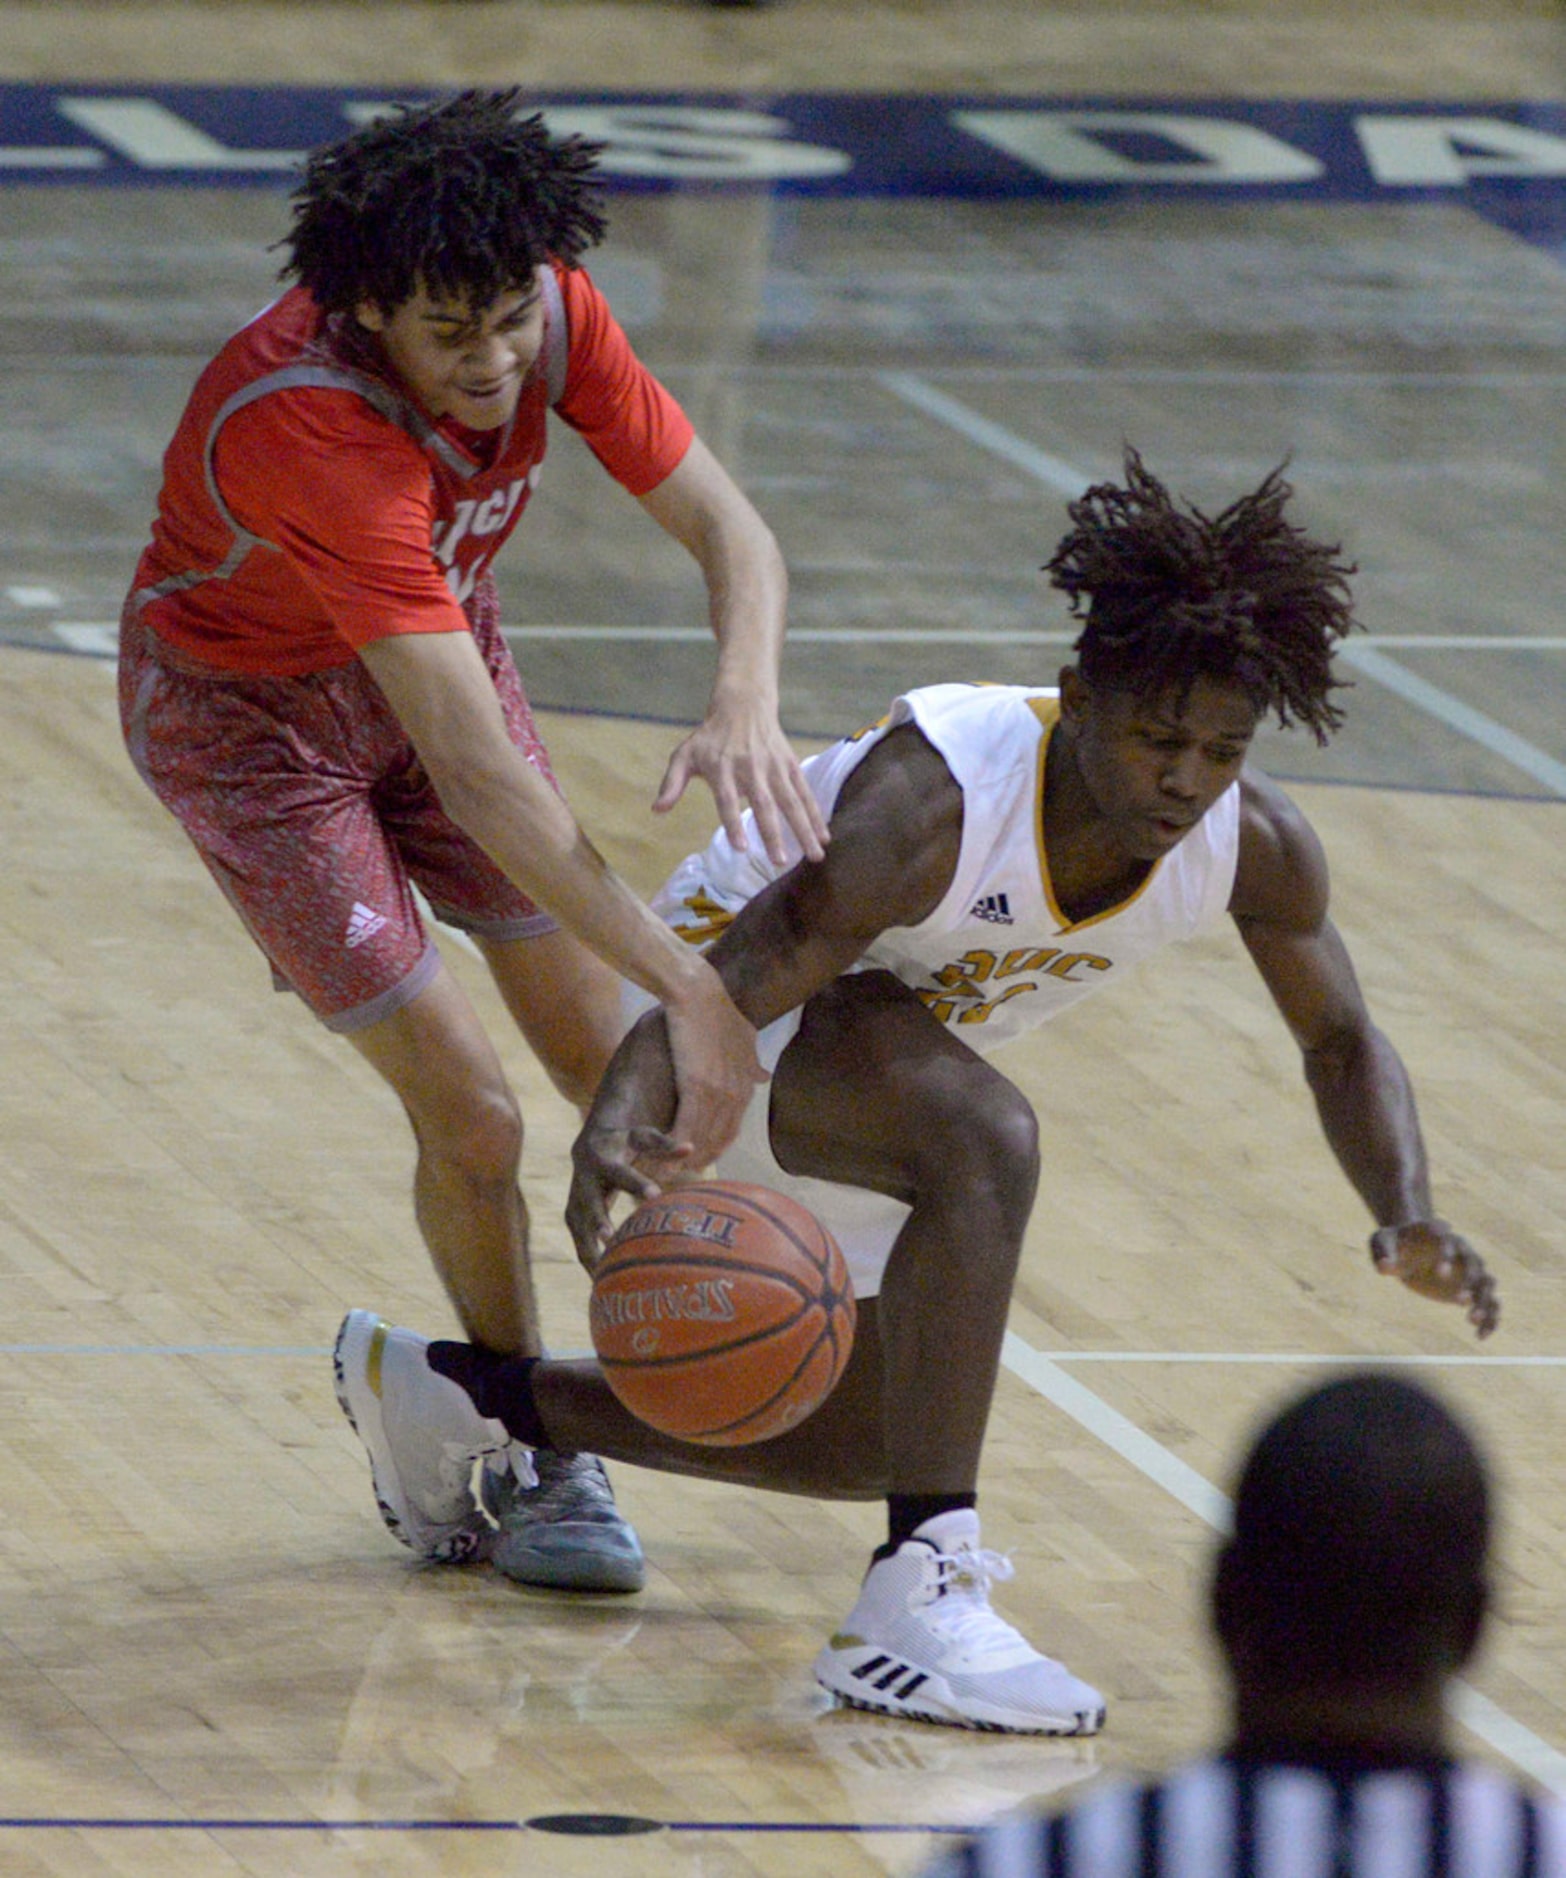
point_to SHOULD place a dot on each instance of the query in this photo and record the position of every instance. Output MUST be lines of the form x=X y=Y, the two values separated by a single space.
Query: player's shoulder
x=590 y=322
x=979 y=698
x=1281 y=863
x=1004 y=723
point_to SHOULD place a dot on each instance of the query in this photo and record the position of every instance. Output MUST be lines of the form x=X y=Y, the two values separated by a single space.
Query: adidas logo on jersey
x=994 y=907
x=363 y=923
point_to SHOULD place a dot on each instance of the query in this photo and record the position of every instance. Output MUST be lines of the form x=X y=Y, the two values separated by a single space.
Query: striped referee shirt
x=1233 y=1818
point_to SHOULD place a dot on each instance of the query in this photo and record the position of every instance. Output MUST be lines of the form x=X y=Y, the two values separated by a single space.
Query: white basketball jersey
x=997 y=956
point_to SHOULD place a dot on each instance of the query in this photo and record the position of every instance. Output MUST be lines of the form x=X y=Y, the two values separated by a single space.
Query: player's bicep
x=1280 y=904
x=896 y=836
x=1311 y=979
x=896 y=833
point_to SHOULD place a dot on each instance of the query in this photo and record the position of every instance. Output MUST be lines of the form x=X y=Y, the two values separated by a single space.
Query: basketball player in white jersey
x=996 y=853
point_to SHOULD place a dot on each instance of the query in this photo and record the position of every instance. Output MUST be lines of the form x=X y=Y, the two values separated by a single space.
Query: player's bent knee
x=479 y=1132
x=987 y=1138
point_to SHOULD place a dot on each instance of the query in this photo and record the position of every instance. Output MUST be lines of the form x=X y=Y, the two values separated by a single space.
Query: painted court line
x=101 y=638
x=1462 y=717
x=1482 y=1717
x=1053 y=471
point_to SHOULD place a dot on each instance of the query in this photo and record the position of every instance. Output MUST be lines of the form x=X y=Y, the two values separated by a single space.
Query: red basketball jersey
x=309 y=505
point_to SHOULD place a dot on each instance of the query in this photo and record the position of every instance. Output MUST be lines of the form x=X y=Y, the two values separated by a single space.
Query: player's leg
x=566 y=1003
x=557 y=1522
x=467 y=1130
x=875 y=1093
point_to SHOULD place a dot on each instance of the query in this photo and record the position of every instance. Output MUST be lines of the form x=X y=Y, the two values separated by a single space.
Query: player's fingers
x=804 y=814
x=1480 y=1293
x=707 y=1123
x=731 y=808
x=653 y=1144
x=675 y=776
x=1384 y=1249
x=597 y=1178
x=769 y=825
x=791 y=803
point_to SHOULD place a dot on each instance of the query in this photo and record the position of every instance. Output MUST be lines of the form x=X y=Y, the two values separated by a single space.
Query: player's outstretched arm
x=438 y=687
x=1360 y=1084
x=739 y=749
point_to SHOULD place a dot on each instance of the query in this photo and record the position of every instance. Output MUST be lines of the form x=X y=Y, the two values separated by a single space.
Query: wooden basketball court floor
x=212 y=1657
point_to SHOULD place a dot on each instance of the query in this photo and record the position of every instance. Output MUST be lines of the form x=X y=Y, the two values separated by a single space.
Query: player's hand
x=716 y=1071
x=606 y=1161
x=1439 y=1263
x=741 y=754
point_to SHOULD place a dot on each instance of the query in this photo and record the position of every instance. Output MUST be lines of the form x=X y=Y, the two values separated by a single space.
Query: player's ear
x=1073 y=692
x=370 y=316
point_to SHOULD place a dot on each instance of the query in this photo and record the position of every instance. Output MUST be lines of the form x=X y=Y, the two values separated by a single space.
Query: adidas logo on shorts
x=363 y=923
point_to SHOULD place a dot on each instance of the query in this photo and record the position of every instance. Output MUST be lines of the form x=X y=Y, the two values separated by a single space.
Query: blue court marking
x=1504 y=159
x=67 y=1823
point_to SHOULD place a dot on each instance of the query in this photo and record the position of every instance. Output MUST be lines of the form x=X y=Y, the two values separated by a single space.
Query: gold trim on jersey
x=1047 y=711
x=710 y=918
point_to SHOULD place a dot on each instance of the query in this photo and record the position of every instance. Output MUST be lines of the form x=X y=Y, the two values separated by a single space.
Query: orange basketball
x=722 y=1313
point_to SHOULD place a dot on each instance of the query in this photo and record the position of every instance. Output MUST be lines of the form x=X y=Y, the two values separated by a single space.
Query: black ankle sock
x=501 y=1386
x=905 y=1512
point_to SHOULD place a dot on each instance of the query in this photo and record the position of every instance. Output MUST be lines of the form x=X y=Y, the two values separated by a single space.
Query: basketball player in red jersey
x=997 y=853
x=314 y=681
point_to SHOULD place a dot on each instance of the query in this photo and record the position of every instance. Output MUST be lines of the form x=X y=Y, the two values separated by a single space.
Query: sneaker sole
x=572 y=1568
x=353 y=1355
x=880 y=1683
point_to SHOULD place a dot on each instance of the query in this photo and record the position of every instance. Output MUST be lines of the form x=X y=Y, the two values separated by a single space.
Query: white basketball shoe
x=922 y=1643
x=423 y=1435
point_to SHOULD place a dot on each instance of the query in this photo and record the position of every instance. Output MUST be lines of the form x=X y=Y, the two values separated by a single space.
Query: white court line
x=1066 y=480
x=1053 y=471
x=1482 y=1717
x=102 y=637
x=1462 y=717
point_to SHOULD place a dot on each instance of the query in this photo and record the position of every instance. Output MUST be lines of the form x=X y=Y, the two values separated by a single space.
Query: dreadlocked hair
x=1173 y=595
x=465 y=198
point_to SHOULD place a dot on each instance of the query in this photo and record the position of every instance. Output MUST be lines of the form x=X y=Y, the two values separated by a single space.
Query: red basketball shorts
x=306 y=801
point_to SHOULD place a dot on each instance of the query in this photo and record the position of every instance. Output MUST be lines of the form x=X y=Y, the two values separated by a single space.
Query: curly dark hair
x=465 y=198
x=1173 y=595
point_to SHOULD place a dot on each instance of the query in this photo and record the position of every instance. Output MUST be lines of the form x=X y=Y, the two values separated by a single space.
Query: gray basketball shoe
x=563 y=1532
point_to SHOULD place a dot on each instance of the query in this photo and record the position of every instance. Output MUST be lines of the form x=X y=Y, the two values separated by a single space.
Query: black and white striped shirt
x=1232 y=1818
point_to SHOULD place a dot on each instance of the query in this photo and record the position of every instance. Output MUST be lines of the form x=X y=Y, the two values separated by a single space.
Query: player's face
x=1154 y=766
x=460 y=361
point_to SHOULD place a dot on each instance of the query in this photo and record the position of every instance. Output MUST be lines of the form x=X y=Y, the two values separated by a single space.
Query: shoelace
x=958 y=1603
x=514 y=1458
x=580 y=1488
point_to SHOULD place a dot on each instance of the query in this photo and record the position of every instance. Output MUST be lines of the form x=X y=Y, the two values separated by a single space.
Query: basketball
x=722 y=1313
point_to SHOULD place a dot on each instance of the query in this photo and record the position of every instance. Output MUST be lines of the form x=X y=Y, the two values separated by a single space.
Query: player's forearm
x=1368 y=1114
x=638 y=1088
x=535 y=840
x=742 y=567
x=747 y=596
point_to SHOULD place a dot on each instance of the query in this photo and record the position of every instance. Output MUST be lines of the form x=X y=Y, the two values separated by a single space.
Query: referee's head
x=1357 y=1565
